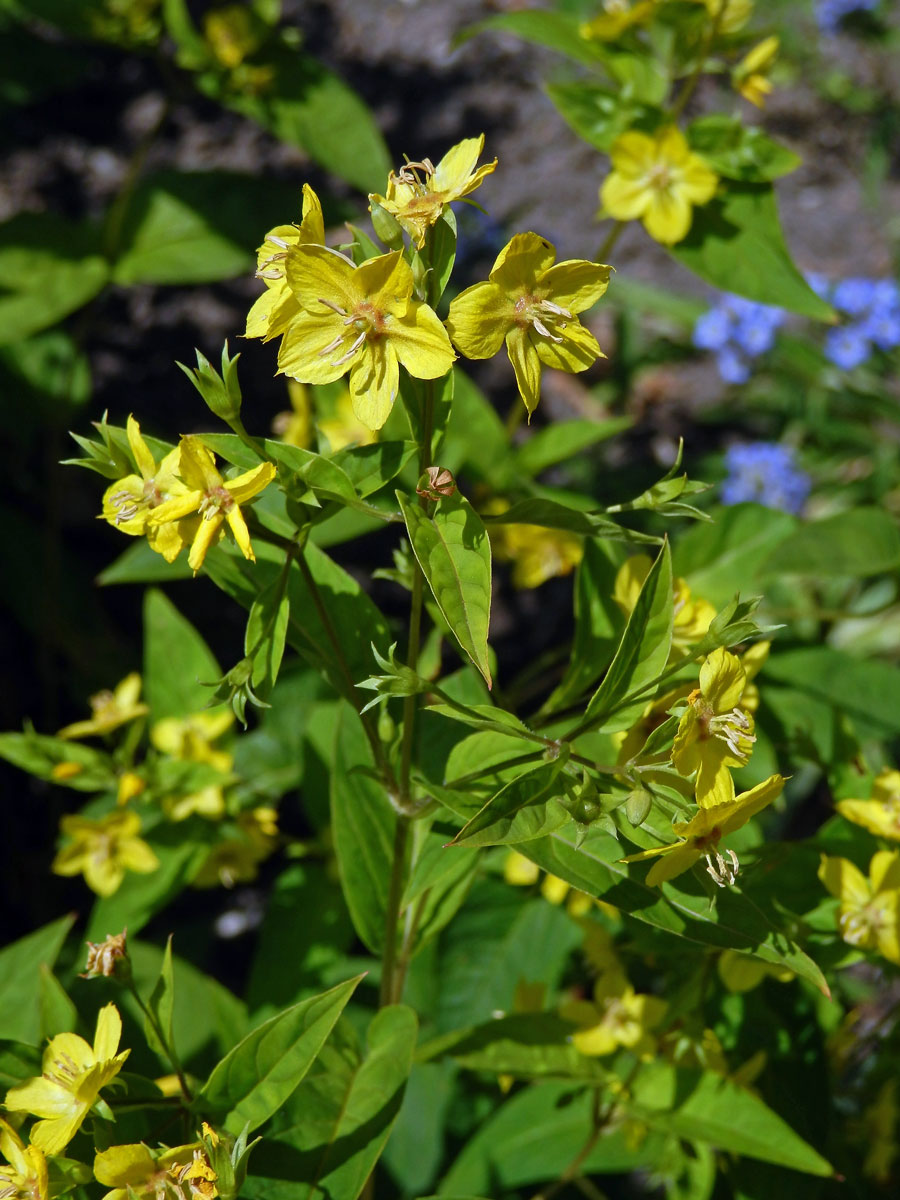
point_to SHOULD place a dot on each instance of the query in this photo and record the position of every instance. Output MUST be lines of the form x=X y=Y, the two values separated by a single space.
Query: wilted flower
x=103 y=956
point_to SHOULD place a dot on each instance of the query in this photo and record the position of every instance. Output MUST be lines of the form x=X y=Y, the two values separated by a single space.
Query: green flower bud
x=637 y=806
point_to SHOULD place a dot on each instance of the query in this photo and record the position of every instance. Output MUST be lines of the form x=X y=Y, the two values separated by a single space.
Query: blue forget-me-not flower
x=766 y=473
x=873 y=306
x=737 y=330
x=830 y=13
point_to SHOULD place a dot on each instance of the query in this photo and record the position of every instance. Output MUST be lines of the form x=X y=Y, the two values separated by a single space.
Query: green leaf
x=598 y=622
x=556 y=31
x=307 y=105
x=438 y=883
x=599 y=114
x=337 y=608
x=340 y=1117
x=867 y=692
x=49 y=267
x=860 y=542
x=525 y=808
x=454 y=552
x=440 y=255
x=736 y=244
x=563 y=440
x=265 y=636
x=643 y=650
x=527 y=1045
x=738 y=151
x=161 y=1005
x=369 y=468
x=702 y=1106
x=254 y=1080
x=680 y=907
x=363 y=824
x=38 y=755
x=18 y=1062
x=475 y=436
x=416 y=1147
x=550 y=514
x=505 y=1154
x=140 y=564
x=58 y=1012
x=719 y=559
x=21 y=966
x=177 y=661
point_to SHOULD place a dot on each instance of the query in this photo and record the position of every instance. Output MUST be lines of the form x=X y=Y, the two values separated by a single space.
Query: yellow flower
x=880 y=814
x=870 y=908
x=741 y=973
x=692 y=615
x=236 y=860
x=277 y=306
x=110 y=709
x=343 y=427
x=729 y=15
x=127 y=504
x=659 y=179
x=23 y=1174
x=751 y=75
x=417 y=200
x=135 y=1172
x=618 y=1016
x=216 y=499
x=537 y=554
x=363 y=320
x=296 y=427
x=73 y=1073
x=231 y=34
x=191 y=738
x=616 y=17
x=531 y=304
x=522 y=872
x=701 y=835
x=714 y=733
x=104 y=850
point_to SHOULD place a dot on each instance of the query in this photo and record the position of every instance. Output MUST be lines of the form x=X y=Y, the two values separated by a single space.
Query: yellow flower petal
x=577 y=351
x=421 y=344
x=251 y=482
x=238 y=527
x=315 y=273
x=305 y=353
x=521 y=261
x=624 y=197
x=139 y=449
x=722 y=678
x=207 y=535
x=374 y=380
x=108 y=1032
x=667 y=217
x=526 y=364
x=478 y=320
x=387 y=281
x=576 y=284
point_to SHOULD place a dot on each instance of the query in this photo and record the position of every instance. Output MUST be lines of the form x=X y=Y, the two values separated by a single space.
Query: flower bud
x=222 y=393
x=387 y=227
x=637 y=806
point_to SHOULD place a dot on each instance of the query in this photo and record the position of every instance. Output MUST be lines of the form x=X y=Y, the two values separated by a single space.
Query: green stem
x=694 y=78
x=254 y=444
x=573 y=1170
x=611 y=238
x=167 y=1046
x=389 y=991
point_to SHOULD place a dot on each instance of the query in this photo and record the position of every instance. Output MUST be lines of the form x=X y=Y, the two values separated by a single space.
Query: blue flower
x=854 y=296
x=883 y=328
x=830 y=13
x=766 y=473
x=847 y=347
x=738 y=330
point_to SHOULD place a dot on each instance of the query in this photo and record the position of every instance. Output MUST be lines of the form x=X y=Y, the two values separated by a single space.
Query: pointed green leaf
x=363 y=824
x=254 y=1080
x=454 y=552
x=161 y=1004
x=58 y=1013
x=860 y=542
x=550 y=514
x=681 y=907
x=556 y=31
x=335 y=1126
x=563 y=440
x=527 y=807
x=20 y=979
x=642 y=652
x=177 y=661
x=736 y=244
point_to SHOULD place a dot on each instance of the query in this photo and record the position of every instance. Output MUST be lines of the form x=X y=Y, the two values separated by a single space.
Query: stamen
x=542 y=329
x=331 y=346
x=334 y=307
x=277 y=240
x=338 y=362
x=549 y=306
x=273 y=274
x=720 y=871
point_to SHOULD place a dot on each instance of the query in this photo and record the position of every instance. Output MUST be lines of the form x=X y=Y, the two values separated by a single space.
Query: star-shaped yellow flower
x=715 y=734
x=658 y=179
x=277 y=306
x=616 y=17
x=363 y=320
x=128 y=502
x=216 y=499
x=110 y=709
x=618 y=1016
x=135 y=1172
x=419 y=192
x=23 y=1174
x=73 y=1073
x=104 y=850
x=870 y=908
x=701 y=835
x=880 y=814
x=751 y=75
x=692 y=614
x=531 y=304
